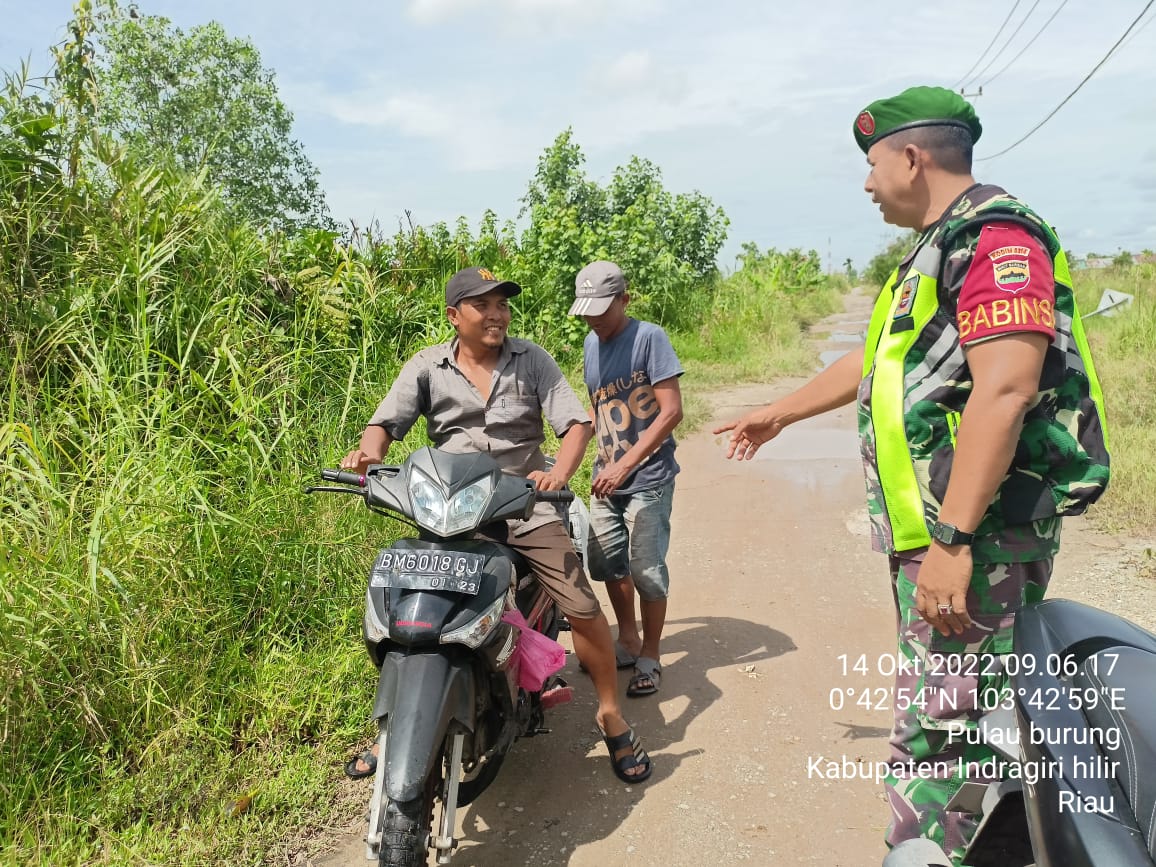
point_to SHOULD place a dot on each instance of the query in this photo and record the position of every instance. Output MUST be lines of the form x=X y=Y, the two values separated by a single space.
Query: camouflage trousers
x=943 y=685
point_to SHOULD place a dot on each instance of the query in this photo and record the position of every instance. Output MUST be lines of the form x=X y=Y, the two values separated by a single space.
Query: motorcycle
x=448 y=704
x=1075 y=731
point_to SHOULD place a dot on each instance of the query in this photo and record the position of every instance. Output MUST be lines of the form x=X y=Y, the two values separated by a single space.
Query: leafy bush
x=879 y=269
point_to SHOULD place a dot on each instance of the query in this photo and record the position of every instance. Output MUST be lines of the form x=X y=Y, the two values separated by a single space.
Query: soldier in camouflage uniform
x=981 y=425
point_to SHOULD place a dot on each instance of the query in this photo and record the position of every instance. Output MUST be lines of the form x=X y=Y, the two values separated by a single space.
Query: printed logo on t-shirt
x=620 y=406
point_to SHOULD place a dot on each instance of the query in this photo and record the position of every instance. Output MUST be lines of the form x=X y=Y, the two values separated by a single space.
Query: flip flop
x=647 y=678
x=637 y=757
x=368 y=759
x=623 y=658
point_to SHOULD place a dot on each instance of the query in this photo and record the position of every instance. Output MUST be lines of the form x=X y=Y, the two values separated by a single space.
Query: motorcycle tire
x=406 y=831
x=470 y=789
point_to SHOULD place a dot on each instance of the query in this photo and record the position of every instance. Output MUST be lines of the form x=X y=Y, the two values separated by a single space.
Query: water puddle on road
x=812 y=456
x=830 y=356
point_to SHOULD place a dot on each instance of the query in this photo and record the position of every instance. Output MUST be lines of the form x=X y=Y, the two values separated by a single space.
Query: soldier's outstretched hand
x=751 y=431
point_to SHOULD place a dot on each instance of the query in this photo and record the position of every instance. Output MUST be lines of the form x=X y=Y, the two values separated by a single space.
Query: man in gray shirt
x=487 y=392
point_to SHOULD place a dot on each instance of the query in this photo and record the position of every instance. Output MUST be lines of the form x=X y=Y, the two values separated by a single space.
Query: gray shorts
x=629 y=537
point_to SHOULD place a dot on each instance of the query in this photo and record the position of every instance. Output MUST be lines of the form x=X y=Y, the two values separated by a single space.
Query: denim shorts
x=629 y=537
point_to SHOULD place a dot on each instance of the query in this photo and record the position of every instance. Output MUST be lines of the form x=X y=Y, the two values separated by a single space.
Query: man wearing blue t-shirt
x=631 y=374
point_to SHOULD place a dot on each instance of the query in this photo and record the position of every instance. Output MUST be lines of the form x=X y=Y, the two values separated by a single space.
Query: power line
x=1029 y=45
x=979 y=60
x=1095 y=68
x=1003 y=47
x=1139 y=30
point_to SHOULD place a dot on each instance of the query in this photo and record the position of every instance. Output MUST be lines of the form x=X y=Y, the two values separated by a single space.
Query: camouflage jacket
x=1061 y=461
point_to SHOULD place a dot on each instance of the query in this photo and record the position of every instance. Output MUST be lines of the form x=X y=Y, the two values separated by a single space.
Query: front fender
x=418 y=694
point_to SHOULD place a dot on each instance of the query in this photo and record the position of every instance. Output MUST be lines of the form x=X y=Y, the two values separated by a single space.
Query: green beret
x=915 y=107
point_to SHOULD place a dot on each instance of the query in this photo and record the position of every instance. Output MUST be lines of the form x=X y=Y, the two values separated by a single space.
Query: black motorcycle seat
x=1125 y=677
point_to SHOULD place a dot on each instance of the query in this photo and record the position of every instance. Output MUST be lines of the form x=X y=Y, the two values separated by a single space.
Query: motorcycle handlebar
x=556 y=496
x=356 y=480
x=343 y=477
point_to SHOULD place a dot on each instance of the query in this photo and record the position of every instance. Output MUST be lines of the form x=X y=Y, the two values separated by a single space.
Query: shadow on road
x=557 y=792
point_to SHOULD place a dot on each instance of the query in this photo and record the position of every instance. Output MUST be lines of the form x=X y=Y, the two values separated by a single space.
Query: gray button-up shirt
x=526 y=384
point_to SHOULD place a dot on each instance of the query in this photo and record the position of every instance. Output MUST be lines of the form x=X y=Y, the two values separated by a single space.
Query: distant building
x=1091 y=263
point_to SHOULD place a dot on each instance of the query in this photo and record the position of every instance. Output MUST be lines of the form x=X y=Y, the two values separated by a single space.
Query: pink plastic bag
x=536 y=655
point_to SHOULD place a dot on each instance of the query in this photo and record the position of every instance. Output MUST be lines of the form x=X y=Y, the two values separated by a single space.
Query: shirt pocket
x=515 y=413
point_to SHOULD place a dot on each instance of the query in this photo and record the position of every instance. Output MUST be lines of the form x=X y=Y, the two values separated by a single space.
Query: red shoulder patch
x=1009 y=286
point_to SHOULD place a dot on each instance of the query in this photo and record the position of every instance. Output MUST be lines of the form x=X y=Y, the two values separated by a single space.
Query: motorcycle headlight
x=444 y=516
x=468 y=504
x=476 y=631
x=429 y=503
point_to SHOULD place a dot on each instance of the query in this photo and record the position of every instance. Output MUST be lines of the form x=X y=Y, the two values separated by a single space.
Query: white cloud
x=632 y=69
x=433 y=11
x=534 y=13
x=637 y=78
x=472 y=140
x=409 y=113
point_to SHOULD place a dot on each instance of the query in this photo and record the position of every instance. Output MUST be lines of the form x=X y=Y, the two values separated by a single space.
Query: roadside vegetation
x=181 y=670
x=1124 y=348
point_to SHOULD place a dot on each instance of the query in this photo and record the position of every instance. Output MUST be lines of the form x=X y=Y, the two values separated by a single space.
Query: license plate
x=451 y=571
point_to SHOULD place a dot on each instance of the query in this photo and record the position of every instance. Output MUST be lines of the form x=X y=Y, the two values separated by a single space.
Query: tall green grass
x=754 y=330
x=1124 y=349
x=164 y=582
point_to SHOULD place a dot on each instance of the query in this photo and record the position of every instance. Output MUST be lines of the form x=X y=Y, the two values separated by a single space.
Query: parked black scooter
x=1077 y=735
x=448 y=705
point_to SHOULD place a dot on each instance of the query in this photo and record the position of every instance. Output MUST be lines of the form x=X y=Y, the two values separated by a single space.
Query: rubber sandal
x=638 y=757
x=647 y=678
x=367 y=758
x=623 y=658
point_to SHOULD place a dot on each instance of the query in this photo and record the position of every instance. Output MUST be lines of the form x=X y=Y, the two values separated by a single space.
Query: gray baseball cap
x=595 y=287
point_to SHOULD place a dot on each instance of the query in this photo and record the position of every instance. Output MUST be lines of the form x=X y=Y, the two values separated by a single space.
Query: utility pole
x=978 y=93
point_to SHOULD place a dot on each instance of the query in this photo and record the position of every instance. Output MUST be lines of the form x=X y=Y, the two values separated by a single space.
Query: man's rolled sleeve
x=401 y=407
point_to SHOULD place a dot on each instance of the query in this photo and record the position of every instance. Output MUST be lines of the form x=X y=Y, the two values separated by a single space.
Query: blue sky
x=442 y=107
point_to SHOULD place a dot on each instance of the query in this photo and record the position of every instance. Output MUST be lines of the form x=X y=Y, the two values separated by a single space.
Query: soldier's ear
x=913 y=156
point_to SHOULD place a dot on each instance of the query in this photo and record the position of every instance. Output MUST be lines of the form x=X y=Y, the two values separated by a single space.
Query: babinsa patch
x=1010 y=265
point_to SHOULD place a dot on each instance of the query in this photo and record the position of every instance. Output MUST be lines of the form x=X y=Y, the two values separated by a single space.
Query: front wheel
x=406 y=831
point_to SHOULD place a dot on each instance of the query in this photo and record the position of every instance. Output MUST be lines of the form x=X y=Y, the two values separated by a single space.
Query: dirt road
x=774 y=585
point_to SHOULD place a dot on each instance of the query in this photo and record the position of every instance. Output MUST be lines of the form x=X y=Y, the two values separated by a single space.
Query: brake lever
x=313 y=489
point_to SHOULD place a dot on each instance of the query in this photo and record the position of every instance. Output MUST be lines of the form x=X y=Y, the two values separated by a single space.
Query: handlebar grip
x=556 y=496
x=343 y=477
